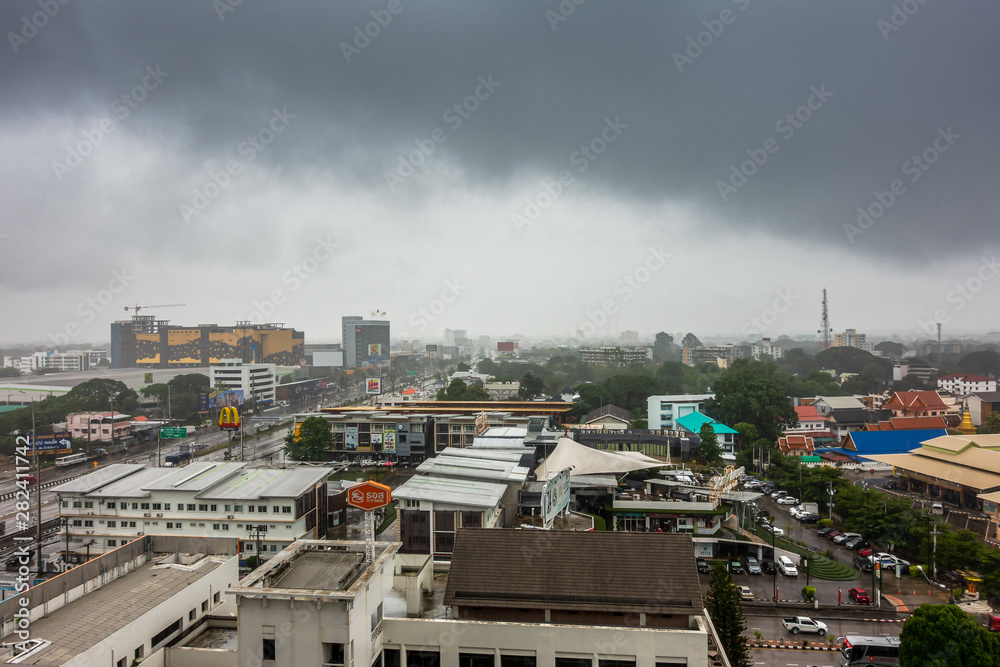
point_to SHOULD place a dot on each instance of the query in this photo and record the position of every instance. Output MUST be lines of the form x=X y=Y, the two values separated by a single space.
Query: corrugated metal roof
x=132 y=486
x=451 y=491
x=255 y=483
x=197 y=476
x=98 y=478
x=320 y=571
x=511 y=455
x=460 y=466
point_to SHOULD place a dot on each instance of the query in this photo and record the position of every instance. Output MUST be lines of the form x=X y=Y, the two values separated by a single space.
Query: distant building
x=502 y=391
x=615 y=356
x=724 y=435
x=628 y=338
x=711 y=354
x=933 y=347
x=765 y=347
x=71 y=361
x=796 y=445
x=982 y=404
x=365 y=342
x=145 y=342
x=608 y=417
x=916 y=404
x=256 y=381
x=922 y=372
x=851 y=338
x=507 y=347
x=961 y=384
x=96 y=426
x=662 y=412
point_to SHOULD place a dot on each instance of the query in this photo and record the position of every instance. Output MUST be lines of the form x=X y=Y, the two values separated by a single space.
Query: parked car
x=788 y=500
x=833 y=533
x=703 y=566
x=867 y=551
x=859 y=595
x=845 y=537
x=753 y=566
x=856 y=543
x=809 y=517
x=890 y=561
x=937 y=509
x=735 y=567
x=862 y=563
x=778 y=494
x=823 y=532
x=774 y=530
x=768 y=567
x=745 y=593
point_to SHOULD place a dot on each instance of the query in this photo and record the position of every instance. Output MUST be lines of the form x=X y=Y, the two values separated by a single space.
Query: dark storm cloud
x=698 y=85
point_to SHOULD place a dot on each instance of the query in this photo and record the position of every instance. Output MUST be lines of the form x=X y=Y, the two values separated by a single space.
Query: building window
x=217 y=598
x=144 y=506
x=191 y=507
x=671 y=662
x=112 y=543
x=88 y=504
x=237 y=508
x=276 y=509
x=166 y=506
x=112 y=524
x=286 y=509
x=204 y=605
x=77 y=504
x=214 y=508
x=274 y=547
x=192 y=614
x=203 y=508
x=139 y=652
x=88 y=524
x=517 y=660
x=215 y=526
x=157 y=506
x=267 y=650
x=333 y=655
x=123 y=662
x=170 y=526
x=262 y=509
x=228 y=508
x=616 y=663
x=486 y=660
x=251 y=508
x=423 y=659
x=131 y=524
x=390 y=657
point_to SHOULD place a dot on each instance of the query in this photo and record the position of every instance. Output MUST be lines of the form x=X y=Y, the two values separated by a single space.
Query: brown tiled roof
x=586 y=571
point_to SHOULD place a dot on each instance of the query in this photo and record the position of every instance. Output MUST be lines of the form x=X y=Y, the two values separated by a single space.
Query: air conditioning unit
x=146 y=514
x=159 y=516
x=90 y=532
x=229 y=516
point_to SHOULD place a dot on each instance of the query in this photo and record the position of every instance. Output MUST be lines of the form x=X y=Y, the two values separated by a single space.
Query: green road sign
x=173 y=432
x=411 y=372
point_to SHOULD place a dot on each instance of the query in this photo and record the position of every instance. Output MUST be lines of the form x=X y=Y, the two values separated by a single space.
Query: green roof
x=695 y=420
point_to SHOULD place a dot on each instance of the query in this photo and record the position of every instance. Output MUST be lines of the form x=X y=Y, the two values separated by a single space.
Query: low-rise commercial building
x=267 y=507
x=662 y=411
x=615 y=356
x=99 y=426
x=256 y=381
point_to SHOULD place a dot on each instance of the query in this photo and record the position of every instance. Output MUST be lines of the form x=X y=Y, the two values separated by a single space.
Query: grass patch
x=822 y=567
x=599 y=522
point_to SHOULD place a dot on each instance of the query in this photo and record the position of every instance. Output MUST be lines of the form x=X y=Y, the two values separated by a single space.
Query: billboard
x=375 y=350
x=147 y=378
x=374 y=386
x=351 y=438
x=53 y=443
x=555 y=495
x=376 y=439
x=389 y=441
x=221 y=399
x=331 y=358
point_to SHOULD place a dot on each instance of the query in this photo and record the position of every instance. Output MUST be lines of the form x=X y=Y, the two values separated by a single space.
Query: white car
x=778 y=494
x=788 y=500
x=776 y=531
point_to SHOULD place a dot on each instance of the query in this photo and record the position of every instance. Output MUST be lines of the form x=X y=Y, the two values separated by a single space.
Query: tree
x=664 y=349
x=991 y=424
x=311 y=441
x=9 y=373
x=752 y=392
x=531 y=386
x=946 y=636
x=709 y=453
x=726 y=613
x=690 y=340
x=462 y=366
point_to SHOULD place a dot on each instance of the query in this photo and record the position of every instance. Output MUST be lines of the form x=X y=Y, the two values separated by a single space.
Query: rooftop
x=451 y=491
x=584 y=571
x=451 y=465
x=82 y=624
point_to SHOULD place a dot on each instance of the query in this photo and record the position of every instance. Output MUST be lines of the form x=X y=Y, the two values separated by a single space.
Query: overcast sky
x=518 y=167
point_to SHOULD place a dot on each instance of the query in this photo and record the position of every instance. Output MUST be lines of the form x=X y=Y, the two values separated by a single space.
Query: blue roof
x=892 y=442
x=695 y=420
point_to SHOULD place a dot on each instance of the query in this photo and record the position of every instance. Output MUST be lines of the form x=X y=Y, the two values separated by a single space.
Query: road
x=790 y=658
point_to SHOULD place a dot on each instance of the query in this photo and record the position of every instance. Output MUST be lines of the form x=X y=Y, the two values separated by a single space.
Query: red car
x=833 y=533
x=859 y=595
x=865 y=552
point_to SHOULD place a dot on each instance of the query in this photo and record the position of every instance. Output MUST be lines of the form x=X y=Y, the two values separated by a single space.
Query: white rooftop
x=451 y=491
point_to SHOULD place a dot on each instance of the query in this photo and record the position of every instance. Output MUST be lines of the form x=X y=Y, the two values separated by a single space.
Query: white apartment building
x=257 y=381
x=74 y=360
x=765 y=347
x=961 y=384
x=118 y=503
x=662 y=411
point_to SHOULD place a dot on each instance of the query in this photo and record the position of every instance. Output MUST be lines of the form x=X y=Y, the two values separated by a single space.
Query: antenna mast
x=825 y=324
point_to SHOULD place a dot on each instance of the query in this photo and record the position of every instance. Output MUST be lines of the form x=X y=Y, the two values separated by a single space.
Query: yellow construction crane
x=136 y=308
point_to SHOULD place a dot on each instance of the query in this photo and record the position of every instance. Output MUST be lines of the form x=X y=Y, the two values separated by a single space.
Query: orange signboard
x=369 y=495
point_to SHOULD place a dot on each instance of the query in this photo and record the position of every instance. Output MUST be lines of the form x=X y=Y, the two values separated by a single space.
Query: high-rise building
x=145 y=342
x=851 y=338
x=256 y=381
x=365 y=342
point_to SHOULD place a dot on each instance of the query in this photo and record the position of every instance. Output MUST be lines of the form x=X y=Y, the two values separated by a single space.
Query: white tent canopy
x=582 y=460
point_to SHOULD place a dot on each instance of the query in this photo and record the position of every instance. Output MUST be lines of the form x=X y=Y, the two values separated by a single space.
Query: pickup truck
x=799 y=624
